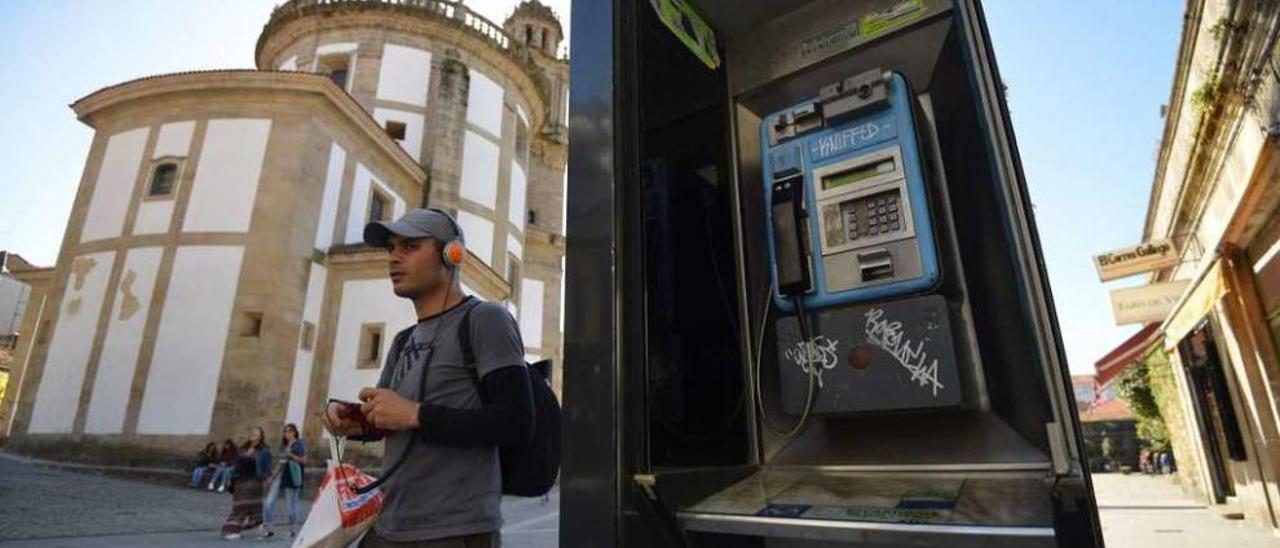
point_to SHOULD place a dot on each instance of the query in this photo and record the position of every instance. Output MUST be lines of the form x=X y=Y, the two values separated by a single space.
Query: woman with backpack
x=286 y=479
x=253 y=467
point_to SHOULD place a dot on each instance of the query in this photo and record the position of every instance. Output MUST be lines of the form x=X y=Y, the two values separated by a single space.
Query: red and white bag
x=339 y=516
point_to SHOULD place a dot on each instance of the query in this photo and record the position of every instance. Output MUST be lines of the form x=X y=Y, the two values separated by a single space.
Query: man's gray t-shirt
x=445 y=491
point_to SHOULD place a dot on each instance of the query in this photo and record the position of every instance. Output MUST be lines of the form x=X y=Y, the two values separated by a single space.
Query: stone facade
x=1215 y=195
x=194 y=297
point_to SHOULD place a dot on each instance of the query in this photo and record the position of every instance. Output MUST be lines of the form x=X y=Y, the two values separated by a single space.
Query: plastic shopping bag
x=339 y=516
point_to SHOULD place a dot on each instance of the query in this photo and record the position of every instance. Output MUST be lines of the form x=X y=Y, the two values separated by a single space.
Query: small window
x=378 y=206
x=544 y=39
x=533 y=217
x=370 y=346
x=251 y=326
x=336 y=66
x=308 y=336
x=528 y=34
x=396 y=130
x=162 y=179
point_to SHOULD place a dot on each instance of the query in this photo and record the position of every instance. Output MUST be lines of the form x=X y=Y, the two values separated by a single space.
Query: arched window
x=162 y=179
x=528 y=34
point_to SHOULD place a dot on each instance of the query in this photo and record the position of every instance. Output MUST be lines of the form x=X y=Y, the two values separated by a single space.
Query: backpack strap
x=468 y=351
x=397 y=346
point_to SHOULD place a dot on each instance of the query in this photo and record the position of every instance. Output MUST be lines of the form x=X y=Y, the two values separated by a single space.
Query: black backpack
x=529 y=470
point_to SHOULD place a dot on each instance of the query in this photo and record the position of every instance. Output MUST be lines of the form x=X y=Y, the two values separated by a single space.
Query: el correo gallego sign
x=1146 y=304
x=1134 y=260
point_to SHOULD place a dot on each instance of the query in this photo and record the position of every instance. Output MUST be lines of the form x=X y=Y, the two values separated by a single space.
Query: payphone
x=848 y=205
x=850 y=224
x=850 y=164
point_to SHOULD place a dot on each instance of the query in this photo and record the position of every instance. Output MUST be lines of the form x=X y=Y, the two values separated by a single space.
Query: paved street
x=1148 y=511
x=49 y=507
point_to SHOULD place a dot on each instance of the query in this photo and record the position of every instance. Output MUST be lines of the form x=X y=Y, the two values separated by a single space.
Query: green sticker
x=893 y=18
x=689 y=27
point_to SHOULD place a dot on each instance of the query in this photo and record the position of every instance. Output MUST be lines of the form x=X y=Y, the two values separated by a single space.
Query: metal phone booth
x=805 y=301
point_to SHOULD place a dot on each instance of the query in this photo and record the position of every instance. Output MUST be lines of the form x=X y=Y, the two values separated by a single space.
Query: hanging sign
x=1146 y=304
x=1135 y=260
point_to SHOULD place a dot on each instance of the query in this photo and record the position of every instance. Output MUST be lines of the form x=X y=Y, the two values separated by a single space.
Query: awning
x=1118 y=359
x=1195 y=305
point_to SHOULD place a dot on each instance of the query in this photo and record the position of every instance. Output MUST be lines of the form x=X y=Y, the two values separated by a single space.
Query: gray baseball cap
x=418 y=223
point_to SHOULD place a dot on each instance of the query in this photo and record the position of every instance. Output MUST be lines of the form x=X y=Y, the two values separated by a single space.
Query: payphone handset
x=848 y=209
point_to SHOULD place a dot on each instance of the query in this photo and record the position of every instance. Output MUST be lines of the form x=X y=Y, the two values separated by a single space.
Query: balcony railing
x=445 y=9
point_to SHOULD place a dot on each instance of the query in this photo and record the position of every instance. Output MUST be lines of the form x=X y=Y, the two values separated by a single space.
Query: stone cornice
x=34 y=276
x=245 y=80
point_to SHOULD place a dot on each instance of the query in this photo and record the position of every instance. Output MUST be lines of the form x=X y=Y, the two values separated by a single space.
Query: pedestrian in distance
x=285 y=480
x=226 y=466
x=253 y=467
x=206 y=464
x=445 y=414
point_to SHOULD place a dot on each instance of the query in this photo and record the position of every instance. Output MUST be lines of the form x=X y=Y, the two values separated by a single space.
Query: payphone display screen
x=860 y=173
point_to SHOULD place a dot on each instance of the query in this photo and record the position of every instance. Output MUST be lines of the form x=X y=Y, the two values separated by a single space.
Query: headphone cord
x=422 y=390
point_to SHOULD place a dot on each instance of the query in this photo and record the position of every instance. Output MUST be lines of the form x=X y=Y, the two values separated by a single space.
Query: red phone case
x=350 y=411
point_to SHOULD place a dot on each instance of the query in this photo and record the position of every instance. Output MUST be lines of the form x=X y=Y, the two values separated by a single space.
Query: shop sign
x=1146 y=304
x=1135 y=260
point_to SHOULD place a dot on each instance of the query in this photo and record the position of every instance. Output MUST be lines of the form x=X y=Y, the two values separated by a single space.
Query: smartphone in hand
x=349 y=412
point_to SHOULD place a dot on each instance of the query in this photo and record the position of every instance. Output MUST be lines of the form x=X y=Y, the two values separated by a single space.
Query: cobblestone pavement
x=48 y=507
x=1142 y=511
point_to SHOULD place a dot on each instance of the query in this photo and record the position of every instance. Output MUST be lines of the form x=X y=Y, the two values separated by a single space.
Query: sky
x=1086 y=80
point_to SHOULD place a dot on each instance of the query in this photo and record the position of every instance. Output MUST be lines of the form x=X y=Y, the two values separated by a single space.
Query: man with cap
x=447 y=488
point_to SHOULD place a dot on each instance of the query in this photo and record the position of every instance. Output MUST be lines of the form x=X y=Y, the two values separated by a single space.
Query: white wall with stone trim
x=479 y=170
x=478 y=233
x=484 y=103
x=182 y=383
x=329 y=200
x=403 y=75
x=357 y=215
x=114 y=186
x=413 y=128
x=300 y=386
x=226 y=181
x=58 y=397
x=364 y=302
x=174 y=139
x=113 y=383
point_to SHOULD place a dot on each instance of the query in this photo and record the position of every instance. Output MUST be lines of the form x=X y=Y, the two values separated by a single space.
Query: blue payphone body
x=848 y=209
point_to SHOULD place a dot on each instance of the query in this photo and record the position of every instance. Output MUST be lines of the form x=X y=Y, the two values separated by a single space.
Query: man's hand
x=339 y=426
x=387 y=410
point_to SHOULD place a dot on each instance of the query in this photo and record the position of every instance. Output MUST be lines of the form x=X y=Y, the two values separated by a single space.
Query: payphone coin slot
x=875 y=264
x=854 y=95
x=783 y=127
x=808 y=117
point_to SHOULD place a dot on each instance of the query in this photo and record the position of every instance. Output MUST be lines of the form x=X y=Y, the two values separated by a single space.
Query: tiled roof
x=1114 y=410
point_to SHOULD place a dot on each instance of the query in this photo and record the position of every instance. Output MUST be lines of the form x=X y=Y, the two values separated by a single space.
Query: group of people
x=213 y=468
x=1155 y=462
x=256 y=478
